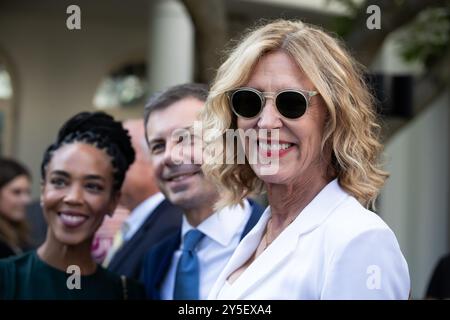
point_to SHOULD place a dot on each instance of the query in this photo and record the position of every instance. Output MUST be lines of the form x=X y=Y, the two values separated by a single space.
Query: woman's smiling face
x=77 y=192
x=299 y=146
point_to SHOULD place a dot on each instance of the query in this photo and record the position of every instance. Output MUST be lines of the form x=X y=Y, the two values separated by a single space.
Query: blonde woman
x=305 y=98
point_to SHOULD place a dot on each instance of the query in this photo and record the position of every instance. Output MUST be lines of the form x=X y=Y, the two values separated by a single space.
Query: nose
x=74 y=195
x=173 y=154
x=269 y=117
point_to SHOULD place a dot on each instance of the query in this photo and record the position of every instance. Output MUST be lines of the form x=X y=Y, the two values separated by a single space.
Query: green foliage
x=351 y=5
x=427 y=36
x=343 y=25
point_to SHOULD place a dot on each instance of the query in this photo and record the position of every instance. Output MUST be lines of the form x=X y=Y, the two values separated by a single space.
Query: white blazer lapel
x=243 y=252
x=267 y=262
x=282 y=247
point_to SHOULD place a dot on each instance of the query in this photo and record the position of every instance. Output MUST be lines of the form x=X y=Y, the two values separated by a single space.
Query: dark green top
x=28 y=277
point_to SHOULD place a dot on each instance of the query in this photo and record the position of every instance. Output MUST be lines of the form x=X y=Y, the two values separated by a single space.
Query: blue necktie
x=187 y=275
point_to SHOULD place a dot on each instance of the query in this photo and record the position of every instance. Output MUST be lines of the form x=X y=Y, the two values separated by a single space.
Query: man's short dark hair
x=166 y=98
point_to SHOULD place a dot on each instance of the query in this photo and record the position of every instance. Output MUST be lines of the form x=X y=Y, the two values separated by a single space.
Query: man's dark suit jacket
x=158 y=258
x=439 y=286
x=128 y=260
x=38 y=225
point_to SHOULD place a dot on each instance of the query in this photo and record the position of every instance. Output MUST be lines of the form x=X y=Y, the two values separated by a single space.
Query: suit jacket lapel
x=257 y=217
x=257 y=211
x=313 y=215
x=128 y=246
x=268 y=261
x=162 y=255
x=243 y=252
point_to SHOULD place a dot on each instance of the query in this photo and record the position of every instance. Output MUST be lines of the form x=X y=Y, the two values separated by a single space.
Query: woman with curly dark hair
x=82 y=173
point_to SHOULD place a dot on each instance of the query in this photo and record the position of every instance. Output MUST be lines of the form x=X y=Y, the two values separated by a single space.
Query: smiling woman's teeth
x=274 y=146
x=178 y=178
x=71 y=218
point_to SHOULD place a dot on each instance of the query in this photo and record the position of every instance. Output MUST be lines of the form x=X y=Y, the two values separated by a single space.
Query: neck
x=196 y=216
x=61 y=256
x=200 y=210
x=288 y=200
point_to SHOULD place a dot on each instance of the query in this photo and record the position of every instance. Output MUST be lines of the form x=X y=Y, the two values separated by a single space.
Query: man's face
x=177 y=165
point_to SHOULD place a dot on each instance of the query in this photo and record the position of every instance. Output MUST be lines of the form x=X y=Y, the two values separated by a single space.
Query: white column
x=414 y=202
x=171 y=45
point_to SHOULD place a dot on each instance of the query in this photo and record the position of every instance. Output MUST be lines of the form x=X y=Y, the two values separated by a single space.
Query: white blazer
x=334 y=249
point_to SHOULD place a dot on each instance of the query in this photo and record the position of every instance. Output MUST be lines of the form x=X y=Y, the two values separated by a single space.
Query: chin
x=270 y=175
x=17 y=217
x=181 y=200
x=70 y=239
x=189 y=200
x=273 y=179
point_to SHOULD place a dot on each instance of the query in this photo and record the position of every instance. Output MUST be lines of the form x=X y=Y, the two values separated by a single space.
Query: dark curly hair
x=102 y=131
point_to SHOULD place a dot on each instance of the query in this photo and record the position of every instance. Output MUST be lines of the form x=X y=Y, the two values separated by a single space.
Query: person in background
x=37 y=223
x=185 y=264
x=439 y=285
x=151 y=215
x=303 y=107
x=81 y=176
x=15 y=181
x=104 y=237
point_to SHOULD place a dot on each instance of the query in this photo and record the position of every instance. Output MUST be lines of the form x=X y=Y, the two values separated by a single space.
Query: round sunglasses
x=248 y=102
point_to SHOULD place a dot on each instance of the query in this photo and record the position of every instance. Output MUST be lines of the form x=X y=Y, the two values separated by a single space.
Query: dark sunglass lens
x=246 y=103
x=291 y=104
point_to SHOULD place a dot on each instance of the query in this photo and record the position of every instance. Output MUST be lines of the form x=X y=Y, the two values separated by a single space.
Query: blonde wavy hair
x=351 y=130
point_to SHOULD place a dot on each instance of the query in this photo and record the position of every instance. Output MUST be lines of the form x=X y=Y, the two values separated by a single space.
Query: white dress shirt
x=140 y=214
x=222 y=231
x=334 y=249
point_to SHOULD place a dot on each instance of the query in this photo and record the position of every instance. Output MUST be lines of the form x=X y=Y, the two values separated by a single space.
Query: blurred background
x=126 y=50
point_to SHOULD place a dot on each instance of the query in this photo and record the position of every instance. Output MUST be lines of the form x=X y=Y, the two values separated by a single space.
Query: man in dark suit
x=159 y=258
x=151 y=215
x=38 y=225
x=188 y=261
x=439 y=285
